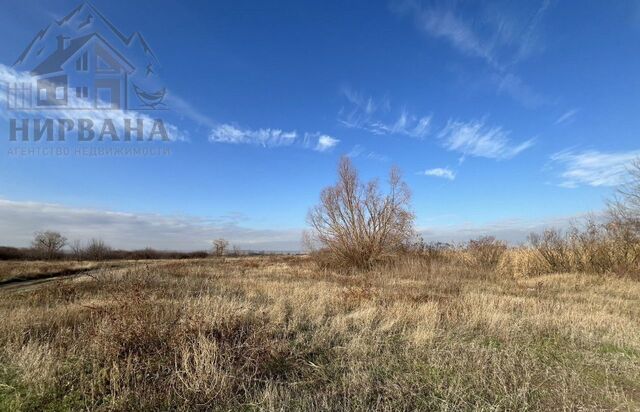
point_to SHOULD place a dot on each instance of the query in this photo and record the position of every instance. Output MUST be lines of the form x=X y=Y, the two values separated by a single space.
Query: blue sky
x=503 y=116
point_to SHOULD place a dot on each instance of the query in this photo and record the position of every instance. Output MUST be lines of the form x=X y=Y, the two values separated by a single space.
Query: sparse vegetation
x=275 y=333
x=410 y=326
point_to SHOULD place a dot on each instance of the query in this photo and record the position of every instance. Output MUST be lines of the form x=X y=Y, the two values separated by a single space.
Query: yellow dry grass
x=278 y=334
x=523 y=262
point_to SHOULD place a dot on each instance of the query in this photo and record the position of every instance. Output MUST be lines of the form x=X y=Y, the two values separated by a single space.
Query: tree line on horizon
x=357 y=225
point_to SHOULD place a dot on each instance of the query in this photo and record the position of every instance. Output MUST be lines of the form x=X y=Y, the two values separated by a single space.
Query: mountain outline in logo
x=83 y=61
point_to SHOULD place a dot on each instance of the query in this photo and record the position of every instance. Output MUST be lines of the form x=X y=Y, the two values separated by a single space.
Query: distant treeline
x=14 y=253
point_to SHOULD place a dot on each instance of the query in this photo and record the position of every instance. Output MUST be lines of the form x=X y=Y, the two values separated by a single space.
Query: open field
x=276 y=333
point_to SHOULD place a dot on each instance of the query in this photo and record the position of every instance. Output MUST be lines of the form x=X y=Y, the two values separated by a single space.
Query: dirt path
x=25 y=283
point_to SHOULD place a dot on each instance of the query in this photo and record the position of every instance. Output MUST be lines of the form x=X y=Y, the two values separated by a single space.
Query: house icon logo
x=83 y=61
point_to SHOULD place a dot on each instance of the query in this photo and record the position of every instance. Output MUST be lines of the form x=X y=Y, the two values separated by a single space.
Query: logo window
x=82 y=91
x=60 y=93
x=82 y=64
x=104 y=98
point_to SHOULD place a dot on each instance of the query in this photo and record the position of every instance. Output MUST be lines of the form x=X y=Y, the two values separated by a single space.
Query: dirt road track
x=25 y=283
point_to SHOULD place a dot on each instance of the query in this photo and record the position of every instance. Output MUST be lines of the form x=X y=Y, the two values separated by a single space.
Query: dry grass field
x=276 y=333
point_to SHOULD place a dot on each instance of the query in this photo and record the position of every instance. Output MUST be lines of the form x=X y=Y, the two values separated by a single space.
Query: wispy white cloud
x=442 y=172
x=498 y=36
x=374 y=116
x=567 y=117
x=593 y=168
x=529 y=38
x=227 y=133
x=513 y=86
x=361 y=151
x=444 y=23
x=19 y=220
x=326 y=143
x=476 y=139
x=271 y=138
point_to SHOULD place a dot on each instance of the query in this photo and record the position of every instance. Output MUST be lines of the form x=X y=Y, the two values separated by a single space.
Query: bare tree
x=97 y=250
x=220 y=246
x=77 y=250
x=356 y=223
x=48 y=244
x=624 y=209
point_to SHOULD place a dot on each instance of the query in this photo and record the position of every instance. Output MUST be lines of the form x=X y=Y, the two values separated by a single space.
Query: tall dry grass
x=279 y=334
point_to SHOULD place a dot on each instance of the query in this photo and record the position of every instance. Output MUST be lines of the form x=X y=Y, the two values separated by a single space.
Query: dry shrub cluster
x=481 y=255
x=608 y=247
x=486 y=251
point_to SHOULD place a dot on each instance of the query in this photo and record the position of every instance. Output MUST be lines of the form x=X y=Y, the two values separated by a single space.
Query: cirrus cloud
x=367 y=113
x=475 y=138
x=592 y=167
x=228 y=133
x=270 y=138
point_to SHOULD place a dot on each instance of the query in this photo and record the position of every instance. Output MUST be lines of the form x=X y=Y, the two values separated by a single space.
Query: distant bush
x=151 y=254
x=554 y=248
x=431 y=252
x=97 y=250
x=14 y=253
x=486 y=251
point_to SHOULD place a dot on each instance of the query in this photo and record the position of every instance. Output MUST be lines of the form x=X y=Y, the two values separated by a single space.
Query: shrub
x=433 y=251
x=486 y=251
x=553 y=248
x=358 y=225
